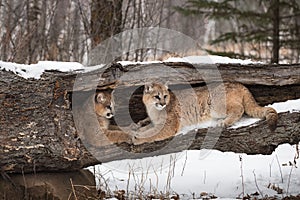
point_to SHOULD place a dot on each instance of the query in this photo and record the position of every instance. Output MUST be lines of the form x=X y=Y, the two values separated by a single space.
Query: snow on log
x=38 y=132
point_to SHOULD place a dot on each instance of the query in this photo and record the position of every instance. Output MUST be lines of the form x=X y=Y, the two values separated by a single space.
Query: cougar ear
x=167 y=85
x=112 y=97
x=148 y=88
x=100 y=98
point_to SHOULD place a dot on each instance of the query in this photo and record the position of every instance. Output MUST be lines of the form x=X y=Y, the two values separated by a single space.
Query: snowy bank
x=225 y=175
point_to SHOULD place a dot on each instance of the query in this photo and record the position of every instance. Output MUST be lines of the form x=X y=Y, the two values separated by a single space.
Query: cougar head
x=104 y=104
x=157 y=95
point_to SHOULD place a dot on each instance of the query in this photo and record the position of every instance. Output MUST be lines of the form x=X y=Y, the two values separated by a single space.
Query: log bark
x=38 y=132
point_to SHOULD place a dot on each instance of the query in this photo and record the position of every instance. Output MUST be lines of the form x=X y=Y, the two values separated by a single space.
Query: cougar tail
x=254 y=110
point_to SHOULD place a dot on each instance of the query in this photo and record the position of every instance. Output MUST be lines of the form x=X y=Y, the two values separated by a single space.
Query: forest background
x=67 y=30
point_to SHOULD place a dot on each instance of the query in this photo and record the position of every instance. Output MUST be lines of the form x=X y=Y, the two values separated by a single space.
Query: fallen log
x=38 y=130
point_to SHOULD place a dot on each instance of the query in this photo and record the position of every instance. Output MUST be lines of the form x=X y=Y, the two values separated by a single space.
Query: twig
x=87 y=187
x=170 y=174
x=184 y=163
x=105 y=184
x=156 y=187
x=297 y=151
x=260 y=192
x=296 y=155
x=289 y=181
x=279 y=169
x=242 y=176
x=128 y=181
x=73 y=189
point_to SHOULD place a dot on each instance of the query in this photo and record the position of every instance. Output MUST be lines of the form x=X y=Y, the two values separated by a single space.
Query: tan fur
x=239 y=100
x=104 y=108
x=190 y=107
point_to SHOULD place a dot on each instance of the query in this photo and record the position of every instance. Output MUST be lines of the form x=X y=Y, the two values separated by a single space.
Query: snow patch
x=36 y=70
x=211 y=59
x=288 y=106
x=125 y=63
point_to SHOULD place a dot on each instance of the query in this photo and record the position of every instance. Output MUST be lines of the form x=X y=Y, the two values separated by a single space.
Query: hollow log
x=38 y=130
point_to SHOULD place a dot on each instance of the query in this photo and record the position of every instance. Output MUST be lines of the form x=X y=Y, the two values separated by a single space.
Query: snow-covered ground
x=223 y=174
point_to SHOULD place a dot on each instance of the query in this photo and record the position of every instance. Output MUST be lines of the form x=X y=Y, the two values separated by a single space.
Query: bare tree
x=57 y=25
x=12 y=13
x=67 y=30
x=106 y=19
x=276 y=26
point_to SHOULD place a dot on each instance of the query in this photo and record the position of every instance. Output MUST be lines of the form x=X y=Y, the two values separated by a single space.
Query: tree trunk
x=56 y=27
x=275 y=35
x=106 y=19
x=38 y=130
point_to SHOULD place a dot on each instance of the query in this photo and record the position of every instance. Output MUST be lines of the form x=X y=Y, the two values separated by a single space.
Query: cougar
x=170 y=112
x=104 y=109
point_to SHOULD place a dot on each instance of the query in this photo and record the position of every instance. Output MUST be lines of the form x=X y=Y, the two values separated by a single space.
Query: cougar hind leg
x=233 y=114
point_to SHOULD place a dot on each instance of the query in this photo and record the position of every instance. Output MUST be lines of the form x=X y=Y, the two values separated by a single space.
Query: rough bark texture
x=38 y=132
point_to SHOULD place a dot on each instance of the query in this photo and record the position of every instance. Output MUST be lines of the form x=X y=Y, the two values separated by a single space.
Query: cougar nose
x=160 y=106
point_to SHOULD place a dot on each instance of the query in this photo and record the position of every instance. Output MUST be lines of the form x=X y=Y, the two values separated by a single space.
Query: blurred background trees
x=67 y=30
x=258 y=29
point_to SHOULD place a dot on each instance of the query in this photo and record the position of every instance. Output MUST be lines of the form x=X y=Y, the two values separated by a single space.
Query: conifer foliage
x=264 y=30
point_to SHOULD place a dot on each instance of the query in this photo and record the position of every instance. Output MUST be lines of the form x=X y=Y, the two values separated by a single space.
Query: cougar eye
x=165 y=96
x=157 y=97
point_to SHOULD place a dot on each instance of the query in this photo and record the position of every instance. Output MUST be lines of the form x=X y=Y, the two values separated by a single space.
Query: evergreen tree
x=258 y=25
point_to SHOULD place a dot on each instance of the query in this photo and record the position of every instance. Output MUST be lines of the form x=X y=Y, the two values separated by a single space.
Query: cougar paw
x=221 y=123
x=134 y=126
x=137 y=141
